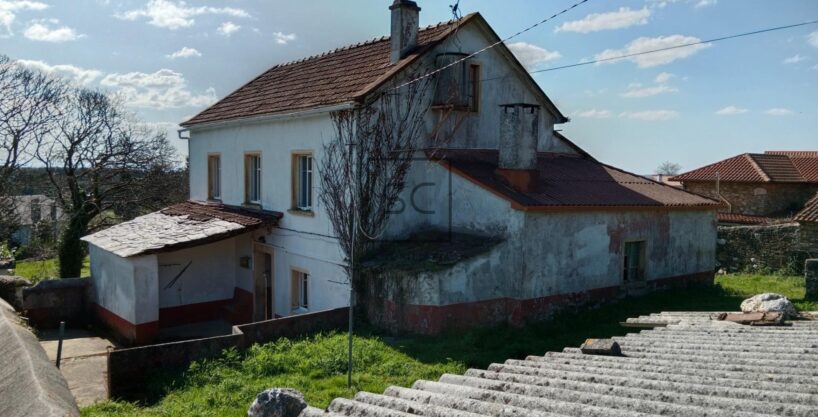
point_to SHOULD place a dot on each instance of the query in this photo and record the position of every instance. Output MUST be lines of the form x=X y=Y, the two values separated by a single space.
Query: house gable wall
x=760 y=199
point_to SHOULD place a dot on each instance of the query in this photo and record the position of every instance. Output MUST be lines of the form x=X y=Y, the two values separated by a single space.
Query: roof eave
x=270 y=117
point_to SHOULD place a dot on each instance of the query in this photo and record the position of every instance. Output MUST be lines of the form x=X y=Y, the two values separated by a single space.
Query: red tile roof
x=570 y=181
x=810 y=211
x=788 y=166
x=739 y=218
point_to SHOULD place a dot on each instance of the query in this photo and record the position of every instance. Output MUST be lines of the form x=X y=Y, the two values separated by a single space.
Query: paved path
x=83 y=364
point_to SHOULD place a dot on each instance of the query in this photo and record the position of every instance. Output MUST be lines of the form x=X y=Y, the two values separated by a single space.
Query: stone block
x=605 y=347
x=277 y=402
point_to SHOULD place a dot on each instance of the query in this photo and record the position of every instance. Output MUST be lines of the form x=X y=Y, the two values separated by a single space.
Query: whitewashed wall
x=126 y=287
x=210 y=276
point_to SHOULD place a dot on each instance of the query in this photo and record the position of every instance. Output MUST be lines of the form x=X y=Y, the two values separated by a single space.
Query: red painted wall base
x=125 y=331
x=436 y=319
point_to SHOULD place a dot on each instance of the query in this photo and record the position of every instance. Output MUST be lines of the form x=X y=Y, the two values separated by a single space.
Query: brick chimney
x=405 y=18
x=519 y=132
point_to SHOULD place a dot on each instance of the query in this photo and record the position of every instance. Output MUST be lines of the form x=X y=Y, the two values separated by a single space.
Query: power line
x=429 y=74
x=755 y=32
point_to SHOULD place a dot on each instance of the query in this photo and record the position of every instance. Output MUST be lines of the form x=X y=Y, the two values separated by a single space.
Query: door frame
x=259 y=283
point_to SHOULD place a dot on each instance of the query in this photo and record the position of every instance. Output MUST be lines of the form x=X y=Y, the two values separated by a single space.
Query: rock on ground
x=8 y=288
x=277 y=402
x=768 y=302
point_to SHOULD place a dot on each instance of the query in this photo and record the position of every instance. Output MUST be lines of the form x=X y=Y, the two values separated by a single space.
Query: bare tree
x=97 y=158
x=668 y=168
x=29 y=105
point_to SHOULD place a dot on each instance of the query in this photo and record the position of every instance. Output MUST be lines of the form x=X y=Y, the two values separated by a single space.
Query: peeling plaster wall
x=561 y=255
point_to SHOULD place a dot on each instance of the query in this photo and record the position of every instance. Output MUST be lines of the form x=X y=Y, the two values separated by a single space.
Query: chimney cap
x=404 y=3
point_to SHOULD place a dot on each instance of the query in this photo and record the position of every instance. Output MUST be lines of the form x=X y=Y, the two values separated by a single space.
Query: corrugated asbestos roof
x=334 y=77
x=775 y=166
x=179 y=226
x=810 y=211
x=567 y=180
x=695 y=366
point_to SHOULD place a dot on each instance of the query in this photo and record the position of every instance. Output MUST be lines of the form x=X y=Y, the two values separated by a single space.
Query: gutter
x=266 y=117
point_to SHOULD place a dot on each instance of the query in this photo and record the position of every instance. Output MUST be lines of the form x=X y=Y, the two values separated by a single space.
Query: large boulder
x=769 y=302
x=277 y=402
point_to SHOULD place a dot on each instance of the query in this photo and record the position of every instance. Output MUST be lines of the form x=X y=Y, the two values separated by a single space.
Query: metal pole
x=351 y=261
x=59 y=343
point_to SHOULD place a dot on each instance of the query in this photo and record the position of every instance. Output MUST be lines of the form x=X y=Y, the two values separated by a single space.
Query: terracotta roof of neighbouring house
x=739 y=218
x=688 y=364
x=336 y=77
x=179 y=226
x=570 y=181
x=775 y=166
x=810 y=211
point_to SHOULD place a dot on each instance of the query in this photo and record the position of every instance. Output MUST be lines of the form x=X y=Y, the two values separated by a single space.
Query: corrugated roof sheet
x=334 y=77
x=567 y=180
x=810 y=211
x=179 y=226
x=775 y=166
x=695 y=366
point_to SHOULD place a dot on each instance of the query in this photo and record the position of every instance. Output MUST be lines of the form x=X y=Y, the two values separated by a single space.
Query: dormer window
x=458 y=86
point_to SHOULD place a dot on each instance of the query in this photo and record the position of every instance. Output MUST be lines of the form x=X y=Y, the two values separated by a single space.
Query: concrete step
x=497 y=391
x=717 y=388
x=650 y=391
x=733 y=379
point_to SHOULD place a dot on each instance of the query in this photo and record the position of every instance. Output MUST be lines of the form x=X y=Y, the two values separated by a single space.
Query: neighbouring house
x=508 y=221
x=35 y=214
x=757 y=188
x=807 y=220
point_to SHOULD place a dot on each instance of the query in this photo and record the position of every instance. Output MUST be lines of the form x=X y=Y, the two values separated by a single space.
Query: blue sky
x=693 y=106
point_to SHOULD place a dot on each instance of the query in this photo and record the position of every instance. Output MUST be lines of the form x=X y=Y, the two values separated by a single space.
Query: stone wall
x=763 y=248
x=55 y=300
x=129 y=369
x=760 y=199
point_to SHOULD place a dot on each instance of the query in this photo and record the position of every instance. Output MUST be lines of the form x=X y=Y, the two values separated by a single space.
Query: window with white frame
x=303 y=182
x=252 y=183
x=299 y=290
x=214 y=177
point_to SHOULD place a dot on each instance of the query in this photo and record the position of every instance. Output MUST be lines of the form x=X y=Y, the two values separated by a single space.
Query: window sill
x=450 y=107
x=252 y=206
x=214 y=200
x=299 y=212
x=299 y=310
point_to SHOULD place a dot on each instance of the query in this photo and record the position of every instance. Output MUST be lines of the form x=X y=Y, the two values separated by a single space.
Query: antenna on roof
x=456 y=10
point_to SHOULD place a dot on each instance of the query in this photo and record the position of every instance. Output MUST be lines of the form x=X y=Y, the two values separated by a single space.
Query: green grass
x=37 y=270
x=316 y=366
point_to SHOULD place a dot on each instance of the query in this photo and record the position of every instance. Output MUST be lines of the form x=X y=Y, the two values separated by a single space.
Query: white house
x=505 y=174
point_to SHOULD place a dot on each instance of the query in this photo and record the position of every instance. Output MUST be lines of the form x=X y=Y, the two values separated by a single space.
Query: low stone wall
x=30 y=384
x=769 y=248
x=811 y=279
x=128 y=369
x=55 y=300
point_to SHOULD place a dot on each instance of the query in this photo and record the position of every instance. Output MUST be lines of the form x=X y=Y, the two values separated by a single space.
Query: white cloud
x=8 y=9
x=594 y=114
x=706 y=3
x=77 y=74
x=648 y=91
x=697 y=3
x=532 y=55
x=41 y=31
x=731 y=111
x=663 y=77
x=650 y=115
x=812 y=38
x=779 y=111
x=228 y=28
x=644 y=44
x=283 y=38
x=158 y=90
x=794 y=59
x=175 y=15
x=185 y=52
x=620 y=19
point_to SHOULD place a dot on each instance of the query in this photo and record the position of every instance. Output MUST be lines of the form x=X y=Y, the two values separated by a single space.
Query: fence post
x=59 y=343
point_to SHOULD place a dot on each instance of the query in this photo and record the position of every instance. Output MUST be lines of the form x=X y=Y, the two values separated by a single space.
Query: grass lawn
x=37 y=270
x=316 y=366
